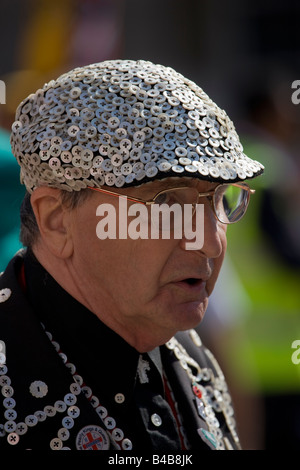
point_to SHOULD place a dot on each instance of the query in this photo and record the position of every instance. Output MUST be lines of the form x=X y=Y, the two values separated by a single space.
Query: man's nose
x=213 y=232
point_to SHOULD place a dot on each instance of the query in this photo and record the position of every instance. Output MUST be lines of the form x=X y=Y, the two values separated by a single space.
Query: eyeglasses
x=229 y=201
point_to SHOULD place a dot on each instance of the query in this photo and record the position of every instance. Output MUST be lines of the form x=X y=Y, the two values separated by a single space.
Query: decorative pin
x=208 y=438
x=92 y=438
x=201 y=409
x=197 y=390
x=143 y=366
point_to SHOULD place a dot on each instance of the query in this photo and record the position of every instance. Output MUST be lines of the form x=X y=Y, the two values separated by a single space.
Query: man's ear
x=54 y=221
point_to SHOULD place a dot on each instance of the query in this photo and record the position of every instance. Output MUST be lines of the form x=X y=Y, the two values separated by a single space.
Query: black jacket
x=69 y=382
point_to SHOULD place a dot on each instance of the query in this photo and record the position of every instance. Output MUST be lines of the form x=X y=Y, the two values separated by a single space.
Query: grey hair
x=29 y=230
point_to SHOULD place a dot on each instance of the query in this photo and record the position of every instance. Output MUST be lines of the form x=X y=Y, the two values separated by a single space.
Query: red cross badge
x=92 y=438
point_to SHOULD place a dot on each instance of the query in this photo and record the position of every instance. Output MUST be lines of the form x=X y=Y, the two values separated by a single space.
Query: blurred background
x=245 y=54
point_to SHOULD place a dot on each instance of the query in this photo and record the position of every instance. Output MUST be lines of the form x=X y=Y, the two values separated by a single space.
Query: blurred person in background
x=268 y=247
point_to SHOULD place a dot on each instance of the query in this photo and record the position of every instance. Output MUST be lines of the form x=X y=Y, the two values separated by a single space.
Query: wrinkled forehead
x=123 y=123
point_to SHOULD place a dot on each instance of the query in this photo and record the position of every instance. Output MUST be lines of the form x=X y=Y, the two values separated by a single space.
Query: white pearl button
x=119 y=398
x=156 y=419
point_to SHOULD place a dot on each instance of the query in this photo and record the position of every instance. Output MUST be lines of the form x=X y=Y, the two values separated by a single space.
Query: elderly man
x=97 y=313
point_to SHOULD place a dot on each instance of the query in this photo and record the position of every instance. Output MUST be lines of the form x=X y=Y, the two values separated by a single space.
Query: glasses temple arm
x=112 y=193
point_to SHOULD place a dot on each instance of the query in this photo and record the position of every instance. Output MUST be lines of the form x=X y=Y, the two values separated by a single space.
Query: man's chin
x=190 y=314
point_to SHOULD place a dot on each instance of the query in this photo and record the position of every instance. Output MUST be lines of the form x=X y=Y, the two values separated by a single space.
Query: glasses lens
x=168 y=211
x=231 y=202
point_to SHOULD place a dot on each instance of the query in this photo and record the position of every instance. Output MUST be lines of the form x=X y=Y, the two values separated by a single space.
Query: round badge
x=92 y=438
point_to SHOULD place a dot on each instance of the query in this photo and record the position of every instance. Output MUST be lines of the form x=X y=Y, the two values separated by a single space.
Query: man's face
x=146 y=289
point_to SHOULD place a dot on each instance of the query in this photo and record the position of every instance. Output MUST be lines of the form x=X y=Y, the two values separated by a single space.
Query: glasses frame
x=208 y=194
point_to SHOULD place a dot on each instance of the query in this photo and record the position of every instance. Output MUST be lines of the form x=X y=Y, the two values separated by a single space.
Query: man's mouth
x=192 y=284
x=191 y=281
